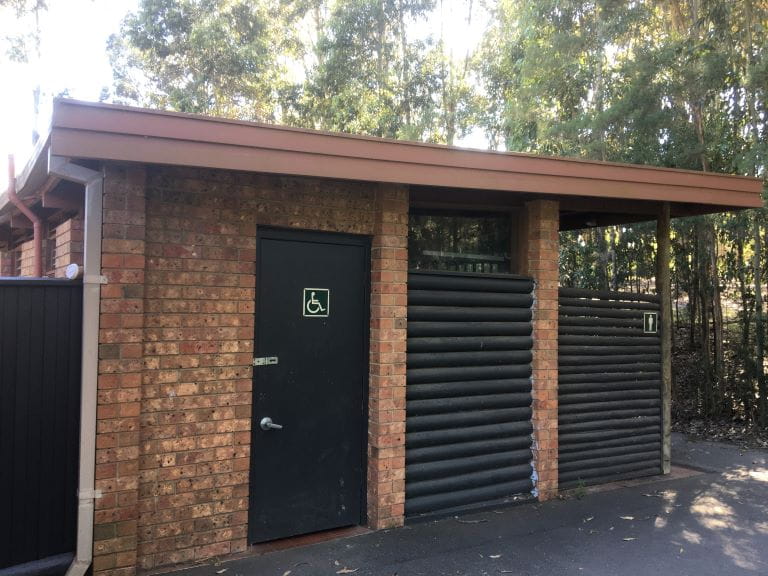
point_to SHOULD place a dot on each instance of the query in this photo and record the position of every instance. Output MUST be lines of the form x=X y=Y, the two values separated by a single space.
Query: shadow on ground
x=712 y=523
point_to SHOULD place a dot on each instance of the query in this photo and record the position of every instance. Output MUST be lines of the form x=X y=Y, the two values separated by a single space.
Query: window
x=459 y=242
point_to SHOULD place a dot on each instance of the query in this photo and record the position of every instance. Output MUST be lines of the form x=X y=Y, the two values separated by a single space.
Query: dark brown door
x=310 y=383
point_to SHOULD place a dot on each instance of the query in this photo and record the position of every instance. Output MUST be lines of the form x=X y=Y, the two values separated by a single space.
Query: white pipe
x=86 y=492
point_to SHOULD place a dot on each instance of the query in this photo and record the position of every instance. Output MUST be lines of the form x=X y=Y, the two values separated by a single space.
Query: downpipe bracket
x=91 y=279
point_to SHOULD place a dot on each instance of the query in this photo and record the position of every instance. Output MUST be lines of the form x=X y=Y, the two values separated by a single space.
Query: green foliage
x=346 y=65
x=670 y=83
x=25 y=41
x=205 y=56
x=673 y=83
x=610 y=258
x=373 y=77
x=368 y=74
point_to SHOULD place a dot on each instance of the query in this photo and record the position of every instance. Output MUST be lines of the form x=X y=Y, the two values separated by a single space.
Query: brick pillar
x=6 y=262
x=389 y=295
x=542 y=262
x=26 y=256
x=120 y=373
x=69 y=245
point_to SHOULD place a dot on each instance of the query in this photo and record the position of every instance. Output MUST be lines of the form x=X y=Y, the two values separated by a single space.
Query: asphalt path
x=711 y=521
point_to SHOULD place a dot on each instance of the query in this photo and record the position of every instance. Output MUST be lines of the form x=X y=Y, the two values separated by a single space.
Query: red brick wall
x=6 y=263
x=174 y=453
x=121 y=368
x=389 y=305
x=542 y=223
x=68 y=239
x=25 y=258
x=67 y=247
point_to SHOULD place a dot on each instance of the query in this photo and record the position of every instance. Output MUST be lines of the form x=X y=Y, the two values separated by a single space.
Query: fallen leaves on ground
x=734 y=426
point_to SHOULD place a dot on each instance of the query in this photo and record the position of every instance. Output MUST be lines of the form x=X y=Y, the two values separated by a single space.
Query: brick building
x=293 y=331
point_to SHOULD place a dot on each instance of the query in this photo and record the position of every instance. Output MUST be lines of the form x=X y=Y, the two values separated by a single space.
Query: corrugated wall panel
x=40 y=339
x=468 y=424
x=609 y=388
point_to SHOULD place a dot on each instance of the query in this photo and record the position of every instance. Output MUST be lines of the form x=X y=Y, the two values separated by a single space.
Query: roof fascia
x=108 y=132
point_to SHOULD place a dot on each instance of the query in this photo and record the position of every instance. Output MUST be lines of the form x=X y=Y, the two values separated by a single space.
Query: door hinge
x=265 y=361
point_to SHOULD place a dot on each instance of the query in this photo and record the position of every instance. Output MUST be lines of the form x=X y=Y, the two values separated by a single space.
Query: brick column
x=542 y=262
x=389 y=295
x=26 y=256
x=6 y=262
x=69 y=245
x=120 y=373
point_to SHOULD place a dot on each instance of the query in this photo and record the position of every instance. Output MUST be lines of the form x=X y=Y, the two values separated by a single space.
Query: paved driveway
x=711 y=522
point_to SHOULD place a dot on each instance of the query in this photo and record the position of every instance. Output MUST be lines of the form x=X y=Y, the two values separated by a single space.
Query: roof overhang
x=102 y=132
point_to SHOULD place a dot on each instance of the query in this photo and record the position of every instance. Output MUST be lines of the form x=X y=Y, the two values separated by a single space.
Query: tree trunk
x=612 y=259
x=705 y=306
x=693 y=287
x=746 y=394
x=717 y=316
x=663 y=286
x=759 y=334
x=602 y=258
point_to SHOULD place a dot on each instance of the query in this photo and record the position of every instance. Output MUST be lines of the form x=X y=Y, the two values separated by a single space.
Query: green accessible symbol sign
x=316 y=302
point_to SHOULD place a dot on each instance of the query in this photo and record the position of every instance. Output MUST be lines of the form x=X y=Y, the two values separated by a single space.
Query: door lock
x=267 y=424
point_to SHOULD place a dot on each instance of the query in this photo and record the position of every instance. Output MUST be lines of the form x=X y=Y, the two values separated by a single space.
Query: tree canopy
x=672 y=83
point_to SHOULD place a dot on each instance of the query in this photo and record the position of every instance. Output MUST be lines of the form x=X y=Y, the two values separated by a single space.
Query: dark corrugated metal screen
x=468 y=421
x=609 y=388
x=40 y=339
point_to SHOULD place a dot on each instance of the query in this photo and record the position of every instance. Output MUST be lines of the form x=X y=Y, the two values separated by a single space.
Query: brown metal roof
x=108 y=132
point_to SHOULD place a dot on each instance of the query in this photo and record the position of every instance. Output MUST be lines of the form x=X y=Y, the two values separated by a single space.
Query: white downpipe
x=92 y=279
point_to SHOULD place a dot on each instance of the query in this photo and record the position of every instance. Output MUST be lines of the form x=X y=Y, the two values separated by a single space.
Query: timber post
x=663 y=288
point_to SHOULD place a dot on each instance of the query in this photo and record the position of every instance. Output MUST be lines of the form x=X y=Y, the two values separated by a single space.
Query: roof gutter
x=92 y=280
x=37 y=223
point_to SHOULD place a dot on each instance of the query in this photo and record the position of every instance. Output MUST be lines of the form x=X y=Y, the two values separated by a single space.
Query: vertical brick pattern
x=68 y=239
x=6 y=263
x=120 y=372
x=389 y=301
x=25 y=254
x=195 y=407
x=542 y=224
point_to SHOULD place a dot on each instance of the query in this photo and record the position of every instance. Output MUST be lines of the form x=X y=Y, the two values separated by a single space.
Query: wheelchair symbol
x=313 y=305
x=316 y=302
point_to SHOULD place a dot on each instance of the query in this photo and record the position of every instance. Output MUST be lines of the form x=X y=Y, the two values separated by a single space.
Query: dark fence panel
x=468 y=423
x=40 y=341
x=609 y=388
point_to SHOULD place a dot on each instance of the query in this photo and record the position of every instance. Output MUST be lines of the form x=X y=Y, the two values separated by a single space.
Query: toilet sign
x=316 y=302
x=650 y=322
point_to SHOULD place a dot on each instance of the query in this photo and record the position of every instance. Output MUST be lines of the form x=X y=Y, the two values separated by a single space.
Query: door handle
x=267 y=424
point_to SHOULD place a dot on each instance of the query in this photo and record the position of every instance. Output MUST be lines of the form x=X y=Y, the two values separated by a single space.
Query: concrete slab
x=709 y=523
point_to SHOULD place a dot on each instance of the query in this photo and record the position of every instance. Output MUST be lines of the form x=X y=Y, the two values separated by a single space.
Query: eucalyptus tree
x=22 y=45
x=549 y=70
x=219 y=57
x=672 y=83
x=25 y=39
x=372 y=77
